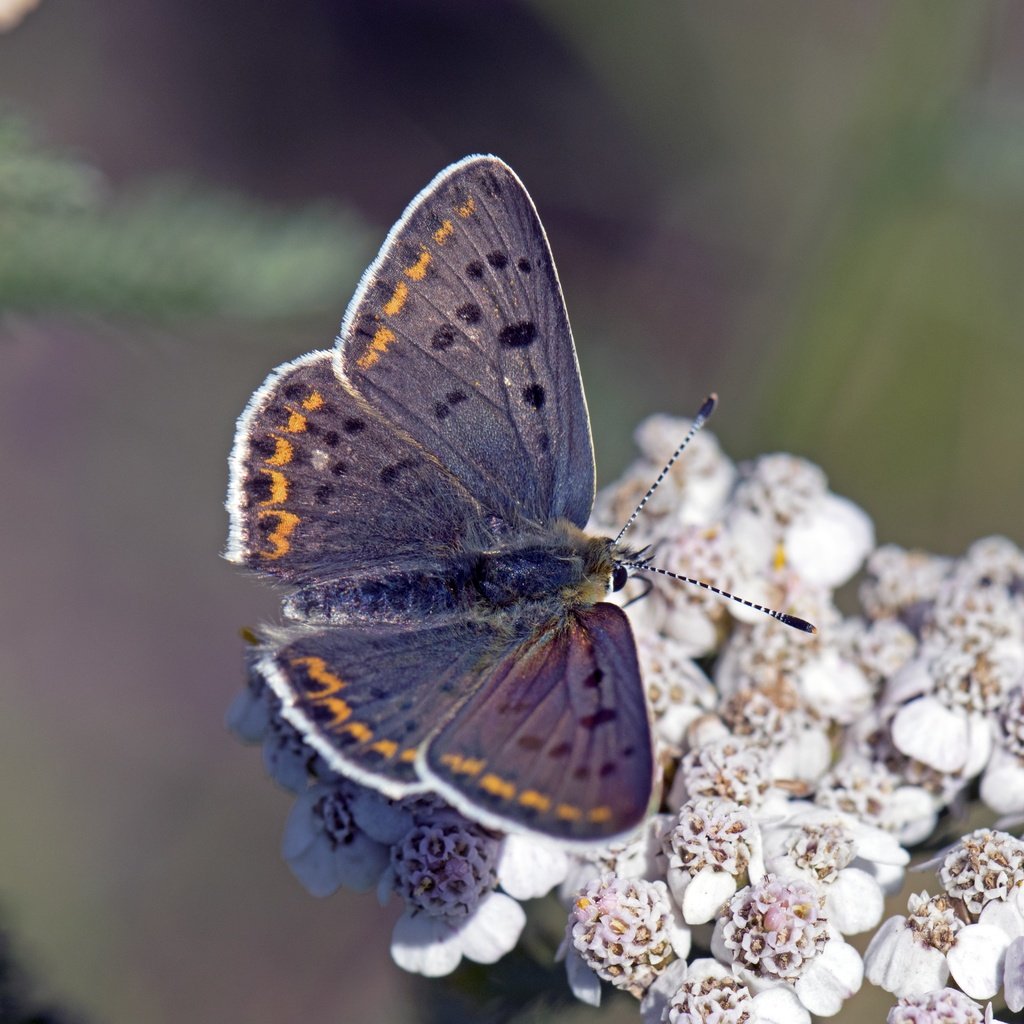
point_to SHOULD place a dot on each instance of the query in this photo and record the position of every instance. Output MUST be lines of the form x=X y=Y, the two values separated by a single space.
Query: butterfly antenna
x=789 y=620
x=698 y=421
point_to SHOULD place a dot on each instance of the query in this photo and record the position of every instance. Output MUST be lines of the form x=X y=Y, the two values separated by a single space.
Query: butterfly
x=422 y=489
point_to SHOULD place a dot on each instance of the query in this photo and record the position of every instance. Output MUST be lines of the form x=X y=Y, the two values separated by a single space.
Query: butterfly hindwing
x=365 y=697
x=458 y=333
x=556 y=738
x=321 y=484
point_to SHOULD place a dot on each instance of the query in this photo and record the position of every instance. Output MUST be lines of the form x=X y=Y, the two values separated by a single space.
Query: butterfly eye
x=619 y=576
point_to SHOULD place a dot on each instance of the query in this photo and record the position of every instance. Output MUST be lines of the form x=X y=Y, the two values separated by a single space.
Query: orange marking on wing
x=317 y=670
x=381 y=340
x=568 y=813
x=444 y=232
x=531 y=798
x=418 y=270
x=363 y=733
x=386 y=747
x=283 y=452
x=296 y=422
x=600 y=814
x=314 y=402
x=278 y=487
x=463 y=765
x=498 y=786
x=286 y=523
x=408 y=755
x=394 y=305
x=467 y=208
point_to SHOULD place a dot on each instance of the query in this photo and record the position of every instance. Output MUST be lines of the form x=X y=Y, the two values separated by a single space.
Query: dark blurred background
x=815 y=209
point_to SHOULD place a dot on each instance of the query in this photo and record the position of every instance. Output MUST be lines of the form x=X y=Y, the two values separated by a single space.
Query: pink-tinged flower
x=776 y=932
x=624 y=931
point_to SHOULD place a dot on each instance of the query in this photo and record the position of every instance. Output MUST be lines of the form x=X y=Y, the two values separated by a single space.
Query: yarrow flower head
x=707 y=992
x=774 y=929
x=974 y=931
x=624 y=931
x=713 y=847
x=776 y=932
x=946 y=1006
x=446 y=873
x=984 y=866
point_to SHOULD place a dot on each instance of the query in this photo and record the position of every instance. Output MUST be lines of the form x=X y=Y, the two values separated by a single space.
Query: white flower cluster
x=795 y=770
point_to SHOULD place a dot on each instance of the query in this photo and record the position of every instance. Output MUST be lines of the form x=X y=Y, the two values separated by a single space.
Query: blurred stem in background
x=163 y=251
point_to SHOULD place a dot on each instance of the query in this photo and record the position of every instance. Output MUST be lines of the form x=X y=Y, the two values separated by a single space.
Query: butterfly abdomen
x=403 y=595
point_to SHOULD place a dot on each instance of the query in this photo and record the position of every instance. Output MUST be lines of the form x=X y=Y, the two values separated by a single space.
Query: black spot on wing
x=390 y=474
x=518 y=335
x=444 y=337
x=474 y=269
x=599 y=717
x=533 y=396
x=354 y=425
x=469 y=312
x=259 y=488
x=524 y=265
x=497 y=259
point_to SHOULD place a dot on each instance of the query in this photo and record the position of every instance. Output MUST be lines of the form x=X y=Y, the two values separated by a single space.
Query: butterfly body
x=423 y=491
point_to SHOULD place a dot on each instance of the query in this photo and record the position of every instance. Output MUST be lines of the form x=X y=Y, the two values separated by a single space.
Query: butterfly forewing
x=556 y=737
x=366 y=696
x=322 y=485
x=459 y=335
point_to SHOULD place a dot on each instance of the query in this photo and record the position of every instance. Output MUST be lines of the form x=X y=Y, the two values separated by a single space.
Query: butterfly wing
x=458 y=333
x=365 y=697
x=556 y=738
x=321 y=484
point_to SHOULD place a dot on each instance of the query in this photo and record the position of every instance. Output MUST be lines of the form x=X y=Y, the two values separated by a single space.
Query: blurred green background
x=815 y=209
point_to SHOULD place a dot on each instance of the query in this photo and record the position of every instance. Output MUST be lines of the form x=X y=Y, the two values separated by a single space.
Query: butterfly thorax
x=542 y=572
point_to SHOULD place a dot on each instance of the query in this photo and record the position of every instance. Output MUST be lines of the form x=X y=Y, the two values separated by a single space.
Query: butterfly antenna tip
x=789 y=620
x=706 y=409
